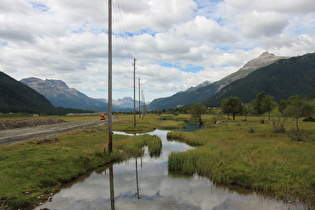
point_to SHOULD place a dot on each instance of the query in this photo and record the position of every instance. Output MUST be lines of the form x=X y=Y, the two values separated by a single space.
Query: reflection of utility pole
x=137 y=180
x=111 y=187
x=139 y=101
x=110 y=137
x=134 y=92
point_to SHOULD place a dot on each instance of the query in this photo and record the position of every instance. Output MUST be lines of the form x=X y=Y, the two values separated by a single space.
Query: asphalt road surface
x=12 y=136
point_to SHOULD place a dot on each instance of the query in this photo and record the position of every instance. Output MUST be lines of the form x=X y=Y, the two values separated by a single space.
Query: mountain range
x=59 y=94
x=16 y=97
x=278 y=76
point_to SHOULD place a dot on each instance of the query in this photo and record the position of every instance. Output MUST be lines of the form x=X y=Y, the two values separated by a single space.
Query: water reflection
x=137 y=178
x=111 y=187
x=192 y=126
x=148 y=185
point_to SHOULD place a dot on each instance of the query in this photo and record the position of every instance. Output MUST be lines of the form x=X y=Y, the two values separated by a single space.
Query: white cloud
x=206 y=30
x=301 y=6
x=67 y=40
x=255 y=25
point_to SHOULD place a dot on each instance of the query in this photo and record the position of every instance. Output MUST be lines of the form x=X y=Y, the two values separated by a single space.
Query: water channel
x=145 y=183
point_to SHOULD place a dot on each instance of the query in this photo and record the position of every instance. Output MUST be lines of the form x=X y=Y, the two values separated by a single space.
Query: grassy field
x=245 y=153
x=147 y=124
x=31 y=171
x=251 y=155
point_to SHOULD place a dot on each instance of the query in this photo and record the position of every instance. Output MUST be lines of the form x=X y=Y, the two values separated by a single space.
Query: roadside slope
x=12 y=136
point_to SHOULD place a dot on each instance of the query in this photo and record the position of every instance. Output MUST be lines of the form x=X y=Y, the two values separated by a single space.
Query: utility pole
x=139 y=101
x=143 y=105
x=134 y=92
x=110 y=129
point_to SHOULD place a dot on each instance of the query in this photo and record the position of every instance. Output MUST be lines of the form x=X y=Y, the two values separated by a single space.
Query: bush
x=296 y=135
x=278 y=128
x=251 y=130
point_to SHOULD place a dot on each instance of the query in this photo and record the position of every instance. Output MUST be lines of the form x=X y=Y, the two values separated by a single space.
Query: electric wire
x=123 y=35
x=128 y=37
x=123 y=28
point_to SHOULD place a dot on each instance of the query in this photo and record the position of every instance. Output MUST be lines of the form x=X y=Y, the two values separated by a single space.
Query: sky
x=177 y=44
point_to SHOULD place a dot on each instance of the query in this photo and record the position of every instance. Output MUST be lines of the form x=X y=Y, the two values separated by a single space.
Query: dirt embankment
x=11 y=124
x=22 y=130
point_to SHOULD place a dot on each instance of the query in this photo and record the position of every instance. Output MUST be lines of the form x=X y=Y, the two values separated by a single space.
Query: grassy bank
x=250 y=155
x=31 y=171
x=148 y=123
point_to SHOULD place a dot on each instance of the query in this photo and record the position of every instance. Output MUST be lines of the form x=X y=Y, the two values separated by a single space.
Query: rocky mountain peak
x=125 y=102
x=56 y=84
x=32 y=80
x=263 y=60
x=266 y=54
x=36 y=83
x=205 y=83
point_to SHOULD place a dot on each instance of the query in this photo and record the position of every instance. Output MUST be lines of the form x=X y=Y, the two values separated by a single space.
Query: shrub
x=278 y=128
x=296 y=135
x=251 y=130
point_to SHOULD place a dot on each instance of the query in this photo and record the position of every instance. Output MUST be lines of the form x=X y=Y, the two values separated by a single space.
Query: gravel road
x=12 y=136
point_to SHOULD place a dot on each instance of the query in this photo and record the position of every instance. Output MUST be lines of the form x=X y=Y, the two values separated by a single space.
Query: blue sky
x=177 y=43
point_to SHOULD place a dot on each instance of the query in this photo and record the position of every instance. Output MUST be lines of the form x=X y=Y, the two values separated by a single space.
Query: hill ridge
x=201 y=94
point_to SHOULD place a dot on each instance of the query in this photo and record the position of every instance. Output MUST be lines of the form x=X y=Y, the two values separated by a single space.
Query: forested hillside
x=17 y=97
x=286 y=77
x=204 y=91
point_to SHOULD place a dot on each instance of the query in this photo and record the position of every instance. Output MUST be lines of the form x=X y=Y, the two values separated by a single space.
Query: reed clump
x=134 y=146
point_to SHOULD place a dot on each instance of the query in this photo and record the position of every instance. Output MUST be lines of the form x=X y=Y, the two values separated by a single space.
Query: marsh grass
x=148 y=123
x=31 y=171
x=264 y=161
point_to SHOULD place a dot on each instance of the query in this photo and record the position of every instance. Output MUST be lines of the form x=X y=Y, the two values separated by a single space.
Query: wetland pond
x=145 y=183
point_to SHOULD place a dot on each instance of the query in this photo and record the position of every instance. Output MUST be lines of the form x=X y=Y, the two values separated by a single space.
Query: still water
x=145 y=183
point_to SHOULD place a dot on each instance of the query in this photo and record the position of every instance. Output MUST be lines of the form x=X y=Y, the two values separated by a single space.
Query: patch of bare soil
x=11 y=124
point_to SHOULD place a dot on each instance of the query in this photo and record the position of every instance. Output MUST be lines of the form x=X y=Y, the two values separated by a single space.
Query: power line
x=123 y=27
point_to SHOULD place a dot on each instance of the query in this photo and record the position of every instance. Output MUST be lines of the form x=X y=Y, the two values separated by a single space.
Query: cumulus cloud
x=207 y=30
x=255 y=25
x=177 y=43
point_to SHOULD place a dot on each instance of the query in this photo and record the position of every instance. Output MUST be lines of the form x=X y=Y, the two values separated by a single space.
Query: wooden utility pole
x=134 y=92
x=143 y=105
x=139 y=101
x=110 y=128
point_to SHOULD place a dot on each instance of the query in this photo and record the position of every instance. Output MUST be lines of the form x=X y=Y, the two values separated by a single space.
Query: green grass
x=227 y=153
x=31 y=171
x=263 y=161
x=135 y=147
x=147 y=124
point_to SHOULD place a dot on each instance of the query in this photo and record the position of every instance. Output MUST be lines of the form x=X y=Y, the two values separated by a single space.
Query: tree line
x=295 y=107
